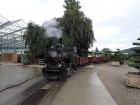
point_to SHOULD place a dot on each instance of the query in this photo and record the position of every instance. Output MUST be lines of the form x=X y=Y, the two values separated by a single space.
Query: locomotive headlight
x=59 y=64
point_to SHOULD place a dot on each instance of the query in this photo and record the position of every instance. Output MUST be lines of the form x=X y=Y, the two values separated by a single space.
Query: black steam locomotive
x=60 y=62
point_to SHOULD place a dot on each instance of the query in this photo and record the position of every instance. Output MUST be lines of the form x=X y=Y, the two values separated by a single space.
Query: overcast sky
x=116 y=23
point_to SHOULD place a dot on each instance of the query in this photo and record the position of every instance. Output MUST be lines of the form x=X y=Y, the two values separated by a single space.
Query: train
x=62 y=61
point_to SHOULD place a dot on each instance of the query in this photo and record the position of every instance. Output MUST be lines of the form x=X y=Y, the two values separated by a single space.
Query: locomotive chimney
x=54 y=41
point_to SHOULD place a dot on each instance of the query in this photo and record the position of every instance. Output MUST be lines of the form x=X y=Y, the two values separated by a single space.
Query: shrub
x=26 y=58
x=134 y=61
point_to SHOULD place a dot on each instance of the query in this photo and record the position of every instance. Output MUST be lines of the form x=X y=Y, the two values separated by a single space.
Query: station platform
x=83 y=88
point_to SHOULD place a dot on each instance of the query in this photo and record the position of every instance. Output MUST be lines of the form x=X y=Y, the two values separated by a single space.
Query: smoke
x=52 y=28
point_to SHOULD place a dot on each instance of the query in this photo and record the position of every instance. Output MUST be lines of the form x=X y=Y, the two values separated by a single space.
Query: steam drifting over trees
x=52 y=28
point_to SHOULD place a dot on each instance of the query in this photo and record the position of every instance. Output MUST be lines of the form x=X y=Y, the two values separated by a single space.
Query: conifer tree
x=134 y=61
x=96 y=50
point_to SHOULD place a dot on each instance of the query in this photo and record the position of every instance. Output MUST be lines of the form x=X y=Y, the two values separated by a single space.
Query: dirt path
x=114 y=80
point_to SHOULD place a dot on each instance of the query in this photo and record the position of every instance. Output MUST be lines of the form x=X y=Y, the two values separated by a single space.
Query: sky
x=116 y=23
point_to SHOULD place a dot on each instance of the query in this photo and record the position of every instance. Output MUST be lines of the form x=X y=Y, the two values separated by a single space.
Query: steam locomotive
x=61 y=61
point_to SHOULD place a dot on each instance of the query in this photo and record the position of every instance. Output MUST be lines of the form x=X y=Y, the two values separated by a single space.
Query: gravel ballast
x=114 y=80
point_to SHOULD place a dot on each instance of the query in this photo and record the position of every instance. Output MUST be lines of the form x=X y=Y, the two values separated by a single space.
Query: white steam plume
x=52 y=28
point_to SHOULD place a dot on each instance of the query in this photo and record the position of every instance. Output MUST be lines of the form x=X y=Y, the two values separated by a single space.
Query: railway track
x=35 y=97
x=19 y=92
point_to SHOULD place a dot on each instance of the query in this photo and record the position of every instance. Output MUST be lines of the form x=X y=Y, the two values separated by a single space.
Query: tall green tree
x=106 y=50
x=36 y=39
x=76 y=27
x=134 y=61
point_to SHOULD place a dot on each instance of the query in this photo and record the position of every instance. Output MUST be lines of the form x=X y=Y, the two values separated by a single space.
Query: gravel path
x=114 y=80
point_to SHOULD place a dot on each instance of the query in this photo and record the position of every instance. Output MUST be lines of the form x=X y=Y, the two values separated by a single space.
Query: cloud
x=101 y=10
x=120 y=30
x=35 y=10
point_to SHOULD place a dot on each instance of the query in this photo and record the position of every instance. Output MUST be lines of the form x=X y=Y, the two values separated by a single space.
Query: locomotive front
x=56 y=61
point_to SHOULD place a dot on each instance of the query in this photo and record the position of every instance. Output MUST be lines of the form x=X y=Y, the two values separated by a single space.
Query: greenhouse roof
x=11 y=33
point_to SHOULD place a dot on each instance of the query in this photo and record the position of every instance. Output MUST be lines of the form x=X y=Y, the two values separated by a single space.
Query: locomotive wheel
x=44 y=73
x=45 y=76
x=59 y=77
x=74 y=67
x=72 y=70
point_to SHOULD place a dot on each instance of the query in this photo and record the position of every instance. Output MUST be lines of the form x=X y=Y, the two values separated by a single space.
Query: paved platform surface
x=13 y=72
x=17 y=81
x=9 y=64
x=83 y=88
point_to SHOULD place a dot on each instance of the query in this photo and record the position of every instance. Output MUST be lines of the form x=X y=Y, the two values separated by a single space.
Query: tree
x=134 y=61
x=36 y=39
x=106 y=50
x=76 y=27
x=118 y=56
x=96 y=50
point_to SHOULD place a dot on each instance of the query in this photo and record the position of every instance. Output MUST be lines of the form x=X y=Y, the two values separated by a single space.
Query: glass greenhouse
x=11 y=32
